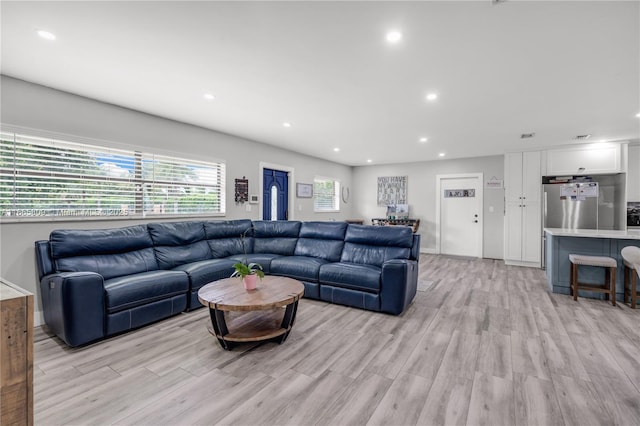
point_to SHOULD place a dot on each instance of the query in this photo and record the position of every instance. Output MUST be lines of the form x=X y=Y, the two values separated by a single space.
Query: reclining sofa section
x=97 y=283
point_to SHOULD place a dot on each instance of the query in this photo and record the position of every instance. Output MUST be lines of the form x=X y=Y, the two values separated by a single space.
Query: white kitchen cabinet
x=633 y=174
x=588 y=159
x=523 y=227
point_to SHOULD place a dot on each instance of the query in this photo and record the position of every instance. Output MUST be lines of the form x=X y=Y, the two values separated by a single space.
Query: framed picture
x=304 y=190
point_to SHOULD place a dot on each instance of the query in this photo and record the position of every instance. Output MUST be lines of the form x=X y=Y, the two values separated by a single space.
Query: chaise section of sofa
x=375 y=271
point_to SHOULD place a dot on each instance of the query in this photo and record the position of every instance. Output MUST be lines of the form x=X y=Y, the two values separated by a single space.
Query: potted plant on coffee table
x=248 y=274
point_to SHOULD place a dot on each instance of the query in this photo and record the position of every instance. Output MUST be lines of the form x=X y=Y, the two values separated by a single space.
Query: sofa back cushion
x=374 y=245
x=225 y=237
x=323 y=240
x=177 y=243
x=276 y=237
x=108 y=252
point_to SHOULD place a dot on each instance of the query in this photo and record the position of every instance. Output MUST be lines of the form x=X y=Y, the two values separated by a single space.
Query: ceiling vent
x=582 y=137
x=527 y=135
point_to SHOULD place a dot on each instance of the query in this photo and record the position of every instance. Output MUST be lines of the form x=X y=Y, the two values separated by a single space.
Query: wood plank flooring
x=487 y=344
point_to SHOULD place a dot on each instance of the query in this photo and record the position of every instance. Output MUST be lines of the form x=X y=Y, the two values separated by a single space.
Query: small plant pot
x=250 y=281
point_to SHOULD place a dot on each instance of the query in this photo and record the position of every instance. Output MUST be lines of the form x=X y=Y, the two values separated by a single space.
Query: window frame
x=336 y=189
x=131 y=185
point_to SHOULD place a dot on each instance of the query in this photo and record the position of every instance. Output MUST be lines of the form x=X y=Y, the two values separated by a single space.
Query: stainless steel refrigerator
x=582 y=203
x=570 y=205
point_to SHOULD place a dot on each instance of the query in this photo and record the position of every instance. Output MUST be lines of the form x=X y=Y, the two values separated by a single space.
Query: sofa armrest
x=73 y=304
x=398 y=286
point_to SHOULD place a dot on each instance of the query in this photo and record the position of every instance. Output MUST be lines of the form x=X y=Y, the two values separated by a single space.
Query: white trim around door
x=291 y=173
x=480 y=197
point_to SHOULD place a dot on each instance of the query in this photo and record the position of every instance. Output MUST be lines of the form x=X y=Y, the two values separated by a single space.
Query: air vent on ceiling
x=527 y=135
x=582 y=137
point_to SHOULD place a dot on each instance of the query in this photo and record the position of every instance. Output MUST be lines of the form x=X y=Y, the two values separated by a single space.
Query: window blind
x=325 y=194
x=42 y=177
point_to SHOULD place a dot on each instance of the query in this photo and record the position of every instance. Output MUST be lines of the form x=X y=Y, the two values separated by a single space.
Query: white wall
x=32 y=106
x=422 y=196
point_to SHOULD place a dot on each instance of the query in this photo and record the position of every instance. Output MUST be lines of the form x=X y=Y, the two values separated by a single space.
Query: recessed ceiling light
x=432 y=96
x=209 y=96
x=46 y=35
x=638 y=115
x=369 y=160
x=423 y=140
x=442 y=154
x=394 y=36
x=286 y=124
x=336 y=149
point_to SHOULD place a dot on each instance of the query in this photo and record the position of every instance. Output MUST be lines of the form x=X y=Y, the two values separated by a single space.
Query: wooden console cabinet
x=16 y=353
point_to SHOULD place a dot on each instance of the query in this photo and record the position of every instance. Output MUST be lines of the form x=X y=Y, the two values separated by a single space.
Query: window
x=325 y=195
x=51 y=178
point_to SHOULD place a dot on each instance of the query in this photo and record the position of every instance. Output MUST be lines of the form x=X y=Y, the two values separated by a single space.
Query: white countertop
x=630 y=234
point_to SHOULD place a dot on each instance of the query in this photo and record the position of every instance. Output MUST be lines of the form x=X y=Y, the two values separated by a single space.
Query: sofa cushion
x=298 y=267
x=177 y=243
x=80 y=242
x=321 y=239
x=275 y=237
x=206 y=271
x=170 y=257
x=176 y=233
x=139 y=289
x=375 y=245
x=264 y=259
x=108 y=252
x=111 y=265
x=351 y=275
x=225 y=237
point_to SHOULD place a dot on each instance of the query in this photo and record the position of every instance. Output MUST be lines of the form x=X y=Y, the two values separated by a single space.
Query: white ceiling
x=558 y=69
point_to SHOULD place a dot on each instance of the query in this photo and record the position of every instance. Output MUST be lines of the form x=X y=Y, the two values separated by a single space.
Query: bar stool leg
x=634 y=283
x=626 y=295
x=574 y=280
x=607 y=282
x=613 y=286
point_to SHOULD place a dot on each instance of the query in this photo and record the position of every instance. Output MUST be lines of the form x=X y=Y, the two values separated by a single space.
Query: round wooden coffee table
x=266 y=313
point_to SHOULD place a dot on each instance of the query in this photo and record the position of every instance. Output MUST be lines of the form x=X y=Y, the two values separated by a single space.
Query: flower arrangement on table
x=247 y=272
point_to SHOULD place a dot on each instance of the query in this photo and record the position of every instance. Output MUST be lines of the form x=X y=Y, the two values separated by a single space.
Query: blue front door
x=275 y=195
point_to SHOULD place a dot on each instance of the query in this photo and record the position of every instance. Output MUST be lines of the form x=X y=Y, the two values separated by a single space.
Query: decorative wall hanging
x=304 y=190
x=345 y=194
x=242 y=190
x=392 y=190
x=459 y=193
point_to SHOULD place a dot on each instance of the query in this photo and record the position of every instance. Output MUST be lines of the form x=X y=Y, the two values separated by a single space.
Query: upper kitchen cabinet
x=595 y=158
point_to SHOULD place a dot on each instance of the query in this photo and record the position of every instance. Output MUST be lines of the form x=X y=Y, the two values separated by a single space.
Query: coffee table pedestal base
x=252 y=326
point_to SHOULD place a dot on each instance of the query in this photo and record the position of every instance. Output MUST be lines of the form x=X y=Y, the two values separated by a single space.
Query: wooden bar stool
x=608 y=263
x=631 y=260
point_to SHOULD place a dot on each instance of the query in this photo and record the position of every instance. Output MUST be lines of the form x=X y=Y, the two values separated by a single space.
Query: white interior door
x=460 y=216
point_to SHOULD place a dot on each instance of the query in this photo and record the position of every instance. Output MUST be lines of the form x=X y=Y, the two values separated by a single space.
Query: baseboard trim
x=520 y=263
x=428 y=251
x=38 y=318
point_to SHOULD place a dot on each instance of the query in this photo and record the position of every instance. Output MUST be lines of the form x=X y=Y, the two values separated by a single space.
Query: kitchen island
x=559 y=243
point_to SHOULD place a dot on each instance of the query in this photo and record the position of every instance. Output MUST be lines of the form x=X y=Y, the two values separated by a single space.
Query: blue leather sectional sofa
x=97 y=283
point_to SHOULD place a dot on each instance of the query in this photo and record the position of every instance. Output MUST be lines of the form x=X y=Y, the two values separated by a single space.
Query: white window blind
x=41 y=177
x=325 y=195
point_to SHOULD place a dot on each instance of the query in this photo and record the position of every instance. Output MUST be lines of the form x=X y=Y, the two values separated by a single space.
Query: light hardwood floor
x=487 y=344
